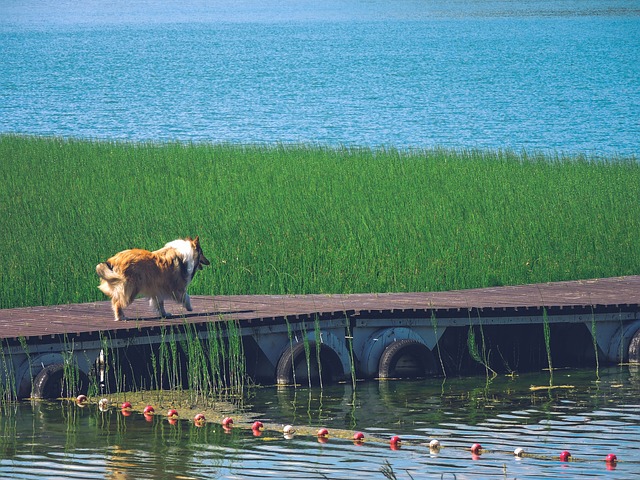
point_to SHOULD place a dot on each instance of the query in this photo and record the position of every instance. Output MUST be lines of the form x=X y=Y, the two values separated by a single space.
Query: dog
x=158 y=275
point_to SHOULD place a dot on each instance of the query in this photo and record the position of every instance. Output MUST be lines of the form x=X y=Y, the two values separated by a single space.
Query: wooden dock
x=381 y=335
x=598 y=294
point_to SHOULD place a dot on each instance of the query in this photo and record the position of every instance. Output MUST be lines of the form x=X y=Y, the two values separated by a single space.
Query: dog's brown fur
x=164 y=273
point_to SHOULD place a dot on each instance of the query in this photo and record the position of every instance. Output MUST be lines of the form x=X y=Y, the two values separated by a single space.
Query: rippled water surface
x=590 y=419
x=559 y=75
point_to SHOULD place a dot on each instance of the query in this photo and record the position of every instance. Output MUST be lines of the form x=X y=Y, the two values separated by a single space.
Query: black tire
x=330 y=365
x=284 y=369
x=405 y=358
x=49 y=383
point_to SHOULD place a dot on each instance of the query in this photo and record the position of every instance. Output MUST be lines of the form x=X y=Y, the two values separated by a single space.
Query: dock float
x=363 y=336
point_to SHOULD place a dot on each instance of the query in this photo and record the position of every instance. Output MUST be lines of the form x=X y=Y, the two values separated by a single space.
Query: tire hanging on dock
x=405 y=358
x=330 y=365
x=634 y=348
x=49 y=383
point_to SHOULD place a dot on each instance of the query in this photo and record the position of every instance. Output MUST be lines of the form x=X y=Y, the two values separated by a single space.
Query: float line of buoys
x=289 y=431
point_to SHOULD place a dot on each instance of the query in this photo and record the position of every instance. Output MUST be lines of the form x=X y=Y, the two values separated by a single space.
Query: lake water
x=552 y=76
x=590 y=420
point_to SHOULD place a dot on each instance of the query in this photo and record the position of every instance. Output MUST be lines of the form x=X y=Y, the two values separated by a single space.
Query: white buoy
x=518 y=452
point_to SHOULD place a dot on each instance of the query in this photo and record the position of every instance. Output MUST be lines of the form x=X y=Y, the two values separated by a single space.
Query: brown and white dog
x=164 y=273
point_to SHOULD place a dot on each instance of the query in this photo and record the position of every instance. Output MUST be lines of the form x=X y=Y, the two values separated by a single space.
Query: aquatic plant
x=352 y=365
x=307 y=351
x=25 y=347
x=594 y=337
x=290 y=336
x=434 y=324
x=71 y=381
x=237 y=361
x=318 y=342
x=481 y=358
x=547 y=342
x=8 y=387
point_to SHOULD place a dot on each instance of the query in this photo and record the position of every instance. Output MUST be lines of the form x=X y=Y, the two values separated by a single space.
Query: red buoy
x=476 y=449
x=257 y=426
x=199 y=419
x=148 y=410
x=126 y=405
x=358 y=437
x=173 y=413
x=227 y=422
x=565 y=456
x=323 y=432
x=395 y=442
x=611 y=458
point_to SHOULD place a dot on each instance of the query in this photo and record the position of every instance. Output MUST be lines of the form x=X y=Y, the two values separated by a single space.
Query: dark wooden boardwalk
x=606 y=293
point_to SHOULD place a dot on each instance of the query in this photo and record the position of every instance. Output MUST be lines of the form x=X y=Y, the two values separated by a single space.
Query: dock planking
x=88 y=318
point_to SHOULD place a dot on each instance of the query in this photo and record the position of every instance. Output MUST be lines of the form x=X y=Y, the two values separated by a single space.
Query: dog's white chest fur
x=186 y=252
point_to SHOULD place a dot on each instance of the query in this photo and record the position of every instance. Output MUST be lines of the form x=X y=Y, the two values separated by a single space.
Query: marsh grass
x=434 y=324
x=594 y=337
x=547 y=343
x=310 y=219
x=8 y=387
x=307 y=351
x=207 y=365
x=290 y=336
x=318 y=342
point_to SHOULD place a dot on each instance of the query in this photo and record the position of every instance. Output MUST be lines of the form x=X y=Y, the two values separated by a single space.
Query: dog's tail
x=110 y=279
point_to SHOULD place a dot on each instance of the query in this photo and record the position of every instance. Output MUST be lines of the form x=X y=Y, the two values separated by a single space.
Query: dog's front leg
x=118 y=313
x=158 y=304
x=186 y=302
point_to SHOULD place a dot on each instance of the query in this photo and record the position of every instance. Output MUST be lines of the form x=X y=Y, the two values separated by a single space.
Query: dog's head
x=199 y=257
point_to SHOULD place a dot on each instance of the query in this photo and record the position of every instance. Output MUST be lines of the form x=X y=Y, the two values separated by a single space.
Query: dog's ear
x=197 y=240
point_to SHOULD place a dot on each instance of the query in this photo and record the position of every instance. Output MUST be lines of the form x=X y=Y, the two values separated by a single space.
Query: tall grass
x=310 y=219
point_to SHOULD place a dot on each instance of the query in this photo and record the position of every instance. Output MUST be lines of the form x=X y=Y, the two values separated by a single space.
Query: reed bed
x=310 y=219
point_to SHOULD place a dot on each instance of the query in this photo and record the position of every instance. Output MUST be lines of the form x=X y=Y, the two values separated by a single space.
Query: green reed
x=8 y=387
x=352 y=364
x=434 y=324
x=216 y=357
x=196 y=363
x=25 y=347
x=237 y=363
x=70 y=370
x=318 y=342
x=293 y=363
x=594 y=338
x=311 y=219
x=474 y=352
x=307 y=351
x=208 y=363
x=547 y=342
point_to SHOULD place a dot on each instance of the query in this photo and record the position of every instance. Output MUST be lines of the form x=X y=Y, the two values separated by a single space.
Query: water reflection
x=590 y=419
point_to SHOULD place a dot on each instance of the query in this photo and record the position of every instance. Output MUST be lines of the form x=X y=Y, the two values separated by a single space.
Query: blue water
x=553 y=76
